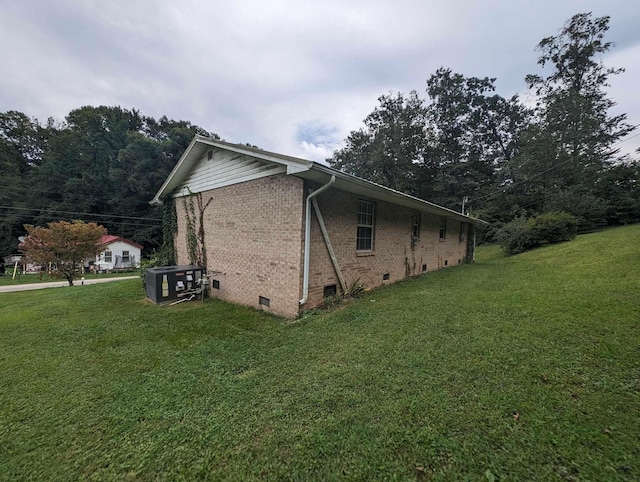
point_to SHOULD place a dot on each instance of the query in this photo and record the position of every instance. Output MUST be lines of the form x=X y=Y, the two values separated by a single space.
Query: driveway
x=60 y=284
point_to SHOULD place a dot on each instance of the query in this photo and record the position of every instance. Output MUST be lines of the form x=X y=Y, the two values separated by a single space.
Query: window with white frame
x=108 y=257
x=366 y=214
x=415 y=226
x=125 y=256
x=443 y=229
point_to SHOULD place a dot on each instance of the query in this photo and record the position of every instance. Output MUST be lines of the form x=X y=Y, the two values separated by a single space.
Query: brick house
x=283 y=233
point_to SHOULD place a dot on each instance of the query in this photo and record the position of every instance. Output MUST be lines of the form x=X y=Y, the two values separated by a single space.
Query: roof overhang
x=309 y=170
x=198 y=148
x=346 y=182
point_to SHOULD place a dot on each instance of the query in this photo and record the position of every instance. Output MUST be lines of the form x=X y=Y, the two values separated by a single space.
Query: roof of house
x=302 y=168
x=110 y=238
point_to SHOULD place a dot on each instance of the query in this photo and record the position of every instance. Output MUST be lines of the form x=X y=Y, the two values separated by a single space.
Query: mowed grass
x=514 y=368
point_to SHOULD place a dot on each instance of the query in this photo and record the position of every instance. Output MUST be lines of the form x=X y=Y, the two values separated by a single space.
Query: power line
x=538 y=174
x=42 y=191
x=628 y=138
x=82 y=213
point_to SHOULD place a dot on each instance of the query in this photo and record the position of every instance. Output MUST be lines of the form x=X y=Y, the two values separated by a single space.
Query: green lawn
x=514 y=368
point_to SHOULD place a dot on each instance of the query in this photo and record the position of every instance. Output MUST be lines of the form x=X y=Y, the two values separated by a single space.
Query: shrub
x=523 y=234
x=549 y=228
x=149 y=263
x=515 y=236
x=589 y=210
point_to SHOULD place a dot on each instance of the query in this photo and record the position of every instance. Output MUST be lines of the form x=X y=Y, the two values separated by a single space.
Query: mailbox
x=169 y=283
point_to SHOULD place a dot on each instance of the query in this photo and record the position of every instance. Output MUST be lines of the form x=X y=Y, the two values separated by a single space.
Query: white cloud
x=263 y=72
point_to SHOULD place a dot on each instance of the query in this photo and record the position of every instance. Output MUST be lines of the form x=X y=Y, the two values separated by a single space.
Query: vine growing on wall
x=169 y=229
x=195 y=233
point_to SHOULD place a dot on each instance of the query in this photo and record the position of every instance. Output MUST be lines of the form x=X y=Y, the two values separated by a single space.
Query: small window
x=415 y=226
x=215 y=284
x=108 y=257
x=443 y=229
x=424 y=268
x=125 y=256
x=385 y=277
x=366 y=211
x=264 y=301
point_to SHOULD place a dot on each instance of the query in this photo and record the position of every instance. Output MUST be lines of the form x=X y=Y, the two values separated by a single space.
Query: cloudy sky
x=291 y=76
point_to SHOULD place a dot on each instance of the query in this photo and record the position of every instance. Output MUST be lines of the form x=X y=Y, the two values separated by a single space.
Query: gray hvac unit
x=170 y=283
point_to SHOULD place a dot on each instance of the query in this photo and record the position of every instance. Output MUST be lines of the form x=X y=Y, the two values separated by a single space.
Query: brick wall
x=254 y=239
x=255 y=243
x=393 y=253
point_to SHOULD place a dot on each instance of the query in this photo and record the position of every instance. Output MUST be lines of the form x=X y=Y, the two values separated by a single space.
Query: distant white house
x=117 y=253
x=11 y=260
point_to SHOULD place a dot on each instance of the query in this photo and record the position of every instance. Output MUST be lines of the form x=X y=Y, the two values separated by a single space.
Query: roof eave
x=185 y=163
x=384 y=193
x=306 y=170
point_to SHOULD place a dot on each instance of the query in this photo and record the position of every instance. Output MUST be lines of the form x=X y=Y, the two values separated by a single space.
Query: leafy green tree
x=108 y=162
x=620 y=186
x=22 y=143
x=66 y=245
x=472 y=133
x=389 y=149
x=574 y=141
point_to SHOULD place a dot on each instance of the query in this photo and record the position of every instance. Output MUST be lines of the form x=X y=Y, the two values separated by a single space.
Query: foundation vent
x=330 y=290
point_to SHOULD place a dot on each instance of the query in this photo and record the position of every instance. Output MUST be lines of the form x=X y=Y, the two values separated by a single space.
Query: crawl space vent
x=330 y=290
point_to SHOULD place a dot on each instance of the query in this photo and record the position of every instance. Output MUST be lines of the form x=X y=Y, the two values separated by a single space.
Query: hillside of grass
x=513 y=368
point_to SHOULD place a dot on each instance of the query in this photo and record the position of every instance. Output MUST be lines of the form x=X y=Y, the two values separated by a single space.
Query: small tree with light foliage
x=64 y=244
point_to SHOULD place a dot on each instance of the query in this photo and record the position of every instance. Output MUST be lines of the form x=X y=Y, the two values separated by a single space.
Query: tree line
x=102 y=164
x=503 y=158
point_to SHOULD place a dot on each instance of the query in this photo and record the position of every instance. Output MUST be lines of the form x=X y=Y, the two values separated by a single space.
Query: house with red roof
x=117 y=252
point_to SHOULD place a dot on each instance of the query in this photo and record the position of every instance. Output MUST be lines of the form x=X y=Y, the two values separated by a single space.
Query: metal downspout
x=307 y=238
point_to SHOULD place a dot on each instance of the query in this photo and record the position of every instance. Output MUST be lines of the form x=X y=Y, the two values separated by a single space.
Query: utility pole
x=464 y=201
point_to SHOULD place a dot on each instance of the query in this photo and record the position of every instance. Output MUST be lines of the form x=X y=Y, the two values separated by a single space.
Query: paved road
x=60 y=284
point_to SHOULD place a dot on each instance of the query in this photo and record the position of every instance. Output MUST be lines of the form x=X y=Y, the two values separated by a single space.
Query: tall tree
x=22 y=143
x=473 y=132
x=389 y=149
x=574 y=142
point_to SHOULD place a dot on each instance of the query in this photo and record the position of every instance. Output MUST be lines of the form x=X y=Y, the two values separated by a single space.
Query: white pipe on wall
x=307 y=238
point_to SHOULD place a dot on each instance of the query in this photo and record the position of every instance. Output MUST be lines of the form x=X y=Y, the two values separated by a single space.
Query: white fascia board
x=291 y=169
x=306 y=170
x=187 y=160
x=354 y=184
x=177 y=174
x=293 y=164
